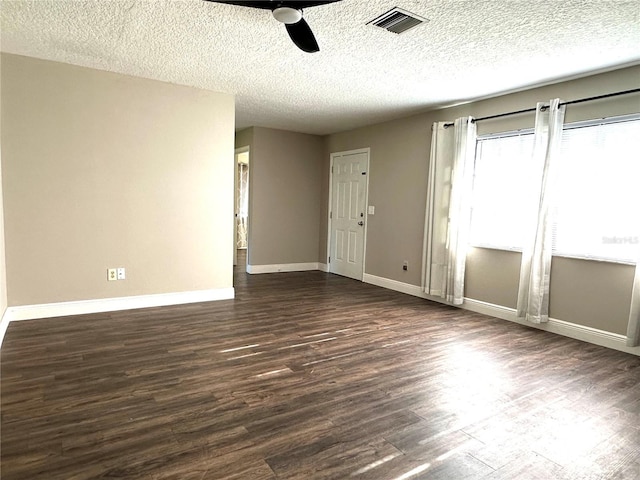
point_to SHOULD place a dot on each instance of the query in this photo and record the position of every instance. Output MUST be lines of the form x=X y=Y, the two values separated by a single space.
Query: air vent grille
x=397 y=20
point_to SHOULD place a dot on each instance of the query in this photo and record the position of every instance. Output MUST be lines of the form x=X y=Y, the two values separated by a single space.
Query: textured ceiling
x=362 y=75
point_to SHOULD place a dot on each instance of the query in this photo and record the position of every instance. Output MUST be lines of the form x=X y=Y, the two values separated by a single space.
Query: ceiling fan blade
x=302 y=36
x=300 y=32
x=303 y=4
x=273 y=4
x=262 y=5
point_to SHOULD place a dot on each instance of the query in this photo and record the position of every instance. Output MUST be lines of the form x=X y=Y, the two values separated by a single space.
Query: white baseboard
x=493 y=310
x=393 y=285
x=323 y=267
x=401 y=287
x=63 y=309
x=560 y=327
x=284 y=267
x=4 y=324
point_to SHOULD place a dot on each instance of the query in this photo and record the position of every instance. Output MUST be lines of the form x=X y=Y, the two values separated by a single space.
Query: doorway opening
x=241 y=207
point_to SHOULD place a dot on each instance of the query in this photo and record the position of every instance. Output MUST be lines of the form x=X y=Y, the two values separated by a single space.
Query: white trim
x=63 y=309
x=283 y=267
x=323 y=267
x=366 y=210
x=327 y=256
x=394 y=285
x=366 y=150
x=493 y=310
x=559 y=327
x=238 y=151
x=401 y=287
x=4 y=324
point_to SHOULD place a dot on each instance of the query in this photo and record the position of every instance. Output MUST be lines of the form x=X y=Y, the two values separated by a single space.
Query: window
x=598 y=200
x=598 y=197
x=502 y=186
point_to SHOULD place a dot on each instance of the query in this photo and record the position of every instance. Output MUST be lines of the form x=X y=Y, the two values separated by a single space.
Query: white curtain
x=535 y=269
x=633 y=330
x=448 y=212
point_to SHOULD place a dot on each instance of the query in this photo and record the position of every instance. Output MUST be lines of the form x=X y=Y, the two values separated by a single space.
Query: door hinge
x=330 y=214
x=329 y=259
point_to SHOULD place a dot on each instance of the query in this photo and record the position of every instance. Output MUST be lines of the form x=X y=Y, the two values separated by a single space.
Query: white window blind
x=597 y=204
x=502 y=187
x=598 y=200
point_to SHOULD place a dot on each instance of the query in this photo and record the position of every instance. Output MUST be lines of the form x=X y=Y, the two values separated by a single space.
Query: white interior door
x=348 y=213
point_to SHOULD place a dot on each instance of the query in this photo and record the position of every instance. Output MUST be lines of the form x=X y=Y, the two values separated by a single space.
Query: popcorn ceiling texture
x=362 y=75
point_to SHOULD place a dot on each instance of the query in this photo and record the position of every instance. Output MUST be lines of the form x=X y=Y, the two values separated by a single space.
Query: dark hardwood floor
x=312 y=376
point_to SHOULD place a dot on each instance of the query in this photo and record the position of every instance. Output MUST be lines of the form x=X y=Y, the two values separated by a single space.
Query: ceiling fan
x=289 y=13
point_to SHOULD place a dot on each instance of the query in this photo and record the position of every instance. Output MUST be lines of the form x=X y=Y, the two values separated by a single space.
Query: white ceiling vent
x=397 y=20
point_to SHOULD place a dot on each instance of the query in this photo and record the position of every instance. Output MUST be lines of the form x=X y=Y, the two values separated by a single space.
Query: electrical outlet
x=112 y=274
x=405 y=265
x=121 y=273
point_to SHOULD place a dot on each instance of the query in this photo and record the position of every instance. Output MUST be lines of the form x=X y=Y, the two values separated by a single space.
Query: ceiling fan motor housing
x=287 y=15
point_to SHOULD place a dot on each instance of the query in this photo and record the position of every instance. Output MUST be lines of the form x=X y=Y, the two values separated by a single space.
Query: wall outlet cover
x=112 y=274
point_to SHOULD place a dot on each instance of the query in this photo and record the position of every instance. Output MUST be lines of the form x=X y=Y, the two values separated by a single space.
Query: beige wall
x=3 y=266
x=500 y=287
x=595 y=294
x=244 y=138
x=397 y=188
x=284 y=196
x=103 y=170
x=397 y=178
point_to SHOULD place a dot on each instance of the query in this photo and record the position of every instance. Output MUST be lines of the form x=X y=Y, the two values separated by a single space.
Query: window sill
x=559 y=255
x=493 y=247
x=595 y=259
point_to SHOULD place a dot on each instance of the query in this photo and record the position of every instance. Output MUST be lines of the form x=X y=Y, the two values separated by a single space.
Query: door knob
x=361 y=223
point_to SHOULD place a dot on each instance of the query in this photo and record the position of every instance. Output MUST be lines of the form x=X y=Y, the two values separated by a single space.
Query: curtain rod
x=527 y=110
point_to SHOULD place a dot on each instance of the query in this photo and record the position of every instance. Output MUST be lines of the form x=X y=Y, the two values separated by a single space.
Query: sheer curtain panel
x=437 y=214
x=449 y=208
x=535 y=269
x=633 y=330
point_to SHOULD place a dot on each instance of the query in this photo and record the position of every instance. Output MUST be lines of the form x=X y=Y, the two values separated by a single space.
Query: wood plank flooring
x=312 y=376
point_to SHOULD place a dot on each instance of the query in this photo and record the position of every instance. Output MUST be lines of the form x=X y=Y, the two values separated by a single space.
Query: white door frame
x=366 y=150
x=237 y=152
